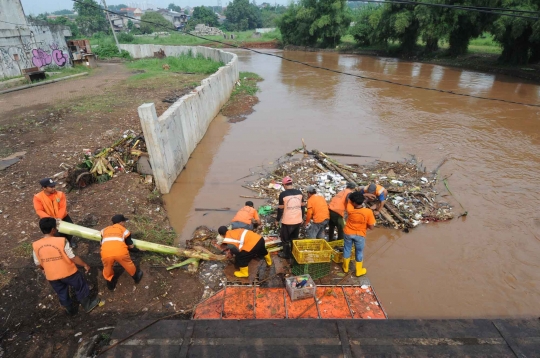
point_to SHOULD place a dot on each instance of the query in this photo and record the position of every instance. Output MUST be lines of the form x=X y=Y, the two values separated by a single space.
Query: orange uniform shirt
x=317 y=209
x=338 y=202
x=246 y=214
x=50 y=206
x=112 y=242
x=244 y=239
x=358 y=220
x=51 y=256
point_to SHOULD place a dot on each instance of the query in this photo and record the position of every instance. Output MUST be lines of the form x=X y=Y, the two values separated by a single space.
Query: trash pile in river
x=102 y=164
x=411 y=194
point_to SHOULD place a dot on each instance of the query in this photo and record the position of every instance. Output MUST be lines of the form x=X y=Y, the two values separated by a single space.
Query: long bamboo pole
x=95 y=235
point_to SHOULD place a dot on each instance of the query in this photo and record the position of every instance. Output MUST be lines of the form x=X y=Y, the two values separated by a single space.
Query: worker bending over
x=54 y=256
x=317 y=208
x=359 y=220
x=290 y=211
x=51 y=203
x=115 y=246
x=244 y=245
x=375 y=196
x=246 y=217
x=337 y=207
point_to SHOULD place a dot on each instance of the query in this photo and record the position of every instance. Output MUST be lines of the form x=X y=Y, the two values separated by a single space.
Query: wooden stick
x=305 y=149
x=396 y=214
x=388 y=218
x=254 y=197
x=211 y=209
x=349 y=155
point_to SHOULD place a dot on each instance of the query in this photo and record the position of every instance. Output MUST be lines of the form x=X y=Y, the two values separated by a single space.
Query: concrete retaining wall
x=172 y=137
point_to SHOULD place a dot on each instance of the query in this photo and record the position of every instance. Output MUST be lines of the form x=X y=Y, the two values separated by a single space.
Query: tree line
x=415 y=28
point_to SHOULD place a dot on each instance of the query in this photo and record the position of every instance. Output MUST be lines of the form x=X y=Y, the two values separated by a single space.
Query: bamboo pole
x=94 y=235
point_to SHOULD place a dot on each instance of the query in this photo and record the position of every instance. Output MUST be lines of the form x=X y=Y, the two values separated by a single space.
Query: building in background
x=28 y=43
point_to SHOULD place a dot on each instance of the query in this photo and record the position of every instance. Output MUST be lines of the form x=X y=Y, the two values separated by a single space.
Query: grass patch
x=23 y=250
x=185 y=64
x=68 y=71
x=248 y=85
x=147 y=230
x=177 y=38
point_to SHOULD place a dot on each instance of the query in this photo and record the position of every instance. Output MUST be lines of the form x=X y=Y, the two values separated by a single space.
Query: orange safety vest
x=317 y=208
x=337 y=204
x=244 y=239
x=358 y=220
x=112 y=242
x=52 y=257
x=292 y=210
x=378 y=191
x=50 y=204
x=245 y=215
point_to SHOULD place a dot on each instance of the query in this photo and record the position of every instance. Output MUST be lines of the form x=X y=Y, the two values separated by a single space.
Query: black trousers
x=336 y=220
x=68 y=237
x=243 y=258
x=77 y=281
x=288 y=233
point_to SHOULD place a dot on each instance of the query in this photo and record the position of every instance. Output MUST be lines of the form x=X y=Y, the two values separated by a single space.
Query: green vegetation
x=315 y=23
x=203 y=15
x=247 y=86
x=90 y=18
x=106 y=50
x=164 y=24
x=146 y=229
x=67 y=71
x=23 y=250
x=242 y=15
x=186 y=64
x=174 y=7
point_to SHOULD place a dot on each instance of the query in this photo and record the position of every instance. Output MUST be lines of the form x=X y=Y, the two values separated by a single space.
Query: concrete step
x=327 y=338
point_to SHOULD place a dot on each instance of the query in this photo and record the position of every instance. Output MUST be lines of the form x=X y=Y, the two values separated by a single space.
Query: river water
x=483 y=265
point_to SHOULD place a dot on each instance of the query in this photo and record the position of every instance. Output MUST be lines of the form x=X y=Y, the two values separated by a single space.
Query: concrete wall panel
x=173 y=136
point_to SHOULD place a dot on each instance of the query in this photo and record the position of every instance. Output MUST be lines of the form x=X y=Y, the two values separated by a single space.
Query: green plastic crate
x=316 y=271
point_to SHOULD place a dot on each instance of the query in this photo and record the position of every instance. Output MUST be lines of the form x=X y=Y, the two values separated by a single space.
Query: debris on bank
x=127 y=154
x=411 y=194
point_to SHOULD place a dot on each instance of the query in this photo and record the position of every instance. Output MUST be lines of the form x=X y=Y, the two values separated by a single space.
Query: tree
x=242 y=16
x=66 y=22
x=519 y=37
x=204 y=15
x=174 y=7
x=270 y=14
x=90 y=18
x=162 y=23
x=313 y=22
x=130 y=24
x=63 y=12
x=117 y=7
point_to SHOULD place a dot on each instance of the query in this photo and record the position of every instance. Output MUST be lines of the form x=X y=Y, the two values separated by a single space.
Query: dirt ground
x=53 y=124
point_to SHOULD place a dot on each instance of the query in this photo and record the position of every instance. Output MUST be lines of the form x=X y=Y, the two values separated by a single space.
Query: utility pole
x=112 y=28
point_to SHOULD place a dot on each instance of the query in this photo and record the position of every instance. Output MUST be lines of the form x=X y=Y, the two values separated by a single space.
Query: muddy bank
x=477 y=62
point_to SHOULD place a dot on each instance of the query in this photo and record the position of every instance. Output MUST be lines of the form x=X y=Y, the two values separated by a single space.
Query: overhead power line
x=459 y=7
x=320 y=67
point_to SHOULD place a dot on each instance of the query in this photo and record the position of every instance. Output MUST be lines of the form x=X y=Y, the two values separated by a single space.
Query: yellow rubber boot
x=359 y=270
x=268 y=259
x=346 y=265
x=243 y=272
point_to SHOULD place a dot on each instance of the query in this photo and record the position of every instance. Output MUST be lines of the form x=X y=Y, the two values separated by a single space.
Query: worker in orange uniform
x=317 y=209
x=291 y=208
x=359 y=220
x=375 y=196
x=116 y=244
x=51 y=203
x=54 y=256
x=337 y=211
x=246 y=217
x=244 y=245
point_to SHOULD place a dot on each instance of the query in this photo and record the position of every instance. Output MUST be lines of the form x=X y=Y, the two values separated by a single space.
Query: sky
x=35 y=7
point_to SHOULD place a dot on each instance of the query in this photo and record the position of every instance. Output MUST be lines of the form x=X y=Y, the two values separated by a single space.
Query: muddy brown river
x=484 y=265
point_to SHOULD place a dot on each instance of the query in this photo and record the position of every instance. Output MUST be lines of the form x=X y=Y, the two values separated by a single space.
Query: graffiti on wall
x=41 y=58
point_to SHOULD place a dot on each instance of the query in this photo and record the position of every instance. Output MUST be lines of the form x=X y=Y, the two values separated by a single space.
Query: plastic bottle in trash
x=301 y=284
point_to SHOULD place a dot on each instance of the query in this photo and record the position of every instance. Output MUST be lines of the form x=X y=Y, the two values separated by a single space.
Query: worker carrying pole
x=55 y=257
x=244 y=245
x=116 y=244
x=359 y=220
x=51 y=203
x=246 y=218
